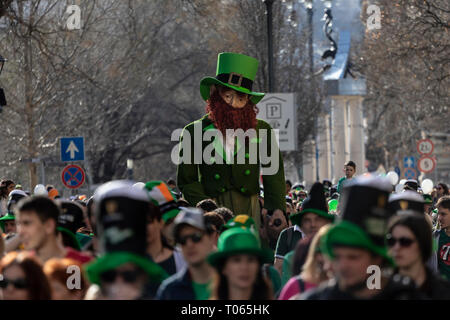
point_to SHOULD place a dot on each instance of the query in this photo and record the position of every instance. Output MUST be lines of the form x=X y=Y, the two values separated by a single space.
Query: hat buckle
x=230 y=79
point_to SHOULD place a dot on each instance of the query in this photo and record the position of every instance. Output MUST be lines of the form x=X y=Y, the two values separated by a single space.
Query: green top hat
x=242 y=221
x=235 y=71
x=7 y=217
x=238 y=241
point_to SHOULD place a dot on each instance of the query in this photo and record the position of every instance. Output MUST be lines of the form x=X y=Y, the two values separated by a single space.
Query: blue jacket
x=177 y=287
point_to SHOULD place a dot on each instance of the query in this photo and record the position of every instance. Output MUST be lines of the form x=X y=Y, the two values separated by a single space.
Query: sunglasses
x=111 y=275
x=19 y=283
x=403 y=241
x=195 y=237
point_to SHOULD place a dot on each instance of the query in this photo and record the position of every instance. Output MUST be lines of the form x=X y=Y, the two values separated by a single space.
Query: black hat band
x=235 y=79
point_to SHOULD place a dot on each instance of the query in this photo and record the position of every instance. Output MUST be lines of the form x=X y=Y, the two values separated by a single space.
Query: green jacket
x=203 y=181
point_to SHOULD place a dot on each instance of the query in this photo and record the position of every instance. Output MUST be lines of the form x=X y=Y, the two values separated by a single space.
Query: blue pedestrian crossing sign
x=409 y=162
x=72 y=149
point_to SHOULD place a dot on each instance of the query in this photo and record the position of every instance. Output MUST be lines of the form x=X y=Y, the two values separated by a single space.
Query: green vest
x=202 y=181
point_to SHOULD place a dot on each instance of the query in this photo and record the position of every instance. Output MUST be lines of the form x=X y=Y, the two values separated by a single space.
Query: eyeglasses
x=129 y=276
x=195 y=237
x=403 y=241
x=19 y=283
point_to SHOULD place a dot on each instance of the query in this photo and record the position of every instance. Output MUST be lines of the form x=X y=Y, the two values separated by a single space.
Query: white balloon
x=40 y=190
x=402 y=181
x=427 y=186
x=139 y=185
x=393 y=177
x=399 y=188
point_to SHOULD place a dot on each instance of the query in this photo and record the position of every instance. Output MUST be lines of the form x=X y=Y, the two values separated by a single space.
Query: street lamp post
x=269 y=4
x=130 y=164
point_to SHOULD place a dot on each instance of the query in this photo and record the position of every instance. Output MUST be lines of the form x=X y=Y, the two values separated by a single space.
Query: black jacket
x=177 y=287
x=397 y=288
x=435 y=287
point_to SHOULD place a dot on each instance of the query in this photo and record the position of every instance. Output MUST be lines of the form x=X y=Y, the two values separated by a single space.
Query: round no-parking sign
x=426 y=164
x=72 y=176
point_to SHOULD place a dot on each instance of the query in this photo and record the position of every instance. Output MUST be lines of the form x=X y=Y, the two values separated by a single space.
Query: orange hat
x=82 y=197
x=53 y=193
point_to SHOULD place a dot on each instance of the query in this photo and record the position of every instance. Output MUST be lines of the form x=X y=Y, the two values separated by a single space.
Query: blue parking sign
x=409 y=162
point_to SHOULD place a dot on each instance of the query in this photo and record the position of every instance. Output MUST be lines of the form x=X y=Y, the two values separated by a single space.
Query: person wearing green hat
x=245 y=222
x=428 y=204
x=7 y=222
x=122 y=270
x=239 y=261
x=312 y=216
x=356 y=246
x=228 y=170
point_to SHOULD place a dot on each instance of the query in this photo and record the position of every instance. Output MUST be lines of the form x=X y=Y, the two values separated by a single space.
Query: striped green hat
x=161 y=196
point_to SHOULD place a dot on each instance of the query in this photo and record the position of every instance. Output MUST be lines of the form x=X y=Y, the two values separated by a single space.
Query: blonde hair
x=310 y=270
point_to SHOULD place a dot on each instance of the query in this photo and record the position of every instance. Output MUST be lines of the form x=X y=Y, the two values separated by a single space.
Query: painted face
x=235 y=99
x=241 y=270
x=403 y=247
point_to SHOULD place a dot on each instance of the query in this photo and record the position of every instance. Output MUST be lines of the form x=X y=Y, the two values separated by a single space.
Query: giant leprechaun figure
x=223 y=154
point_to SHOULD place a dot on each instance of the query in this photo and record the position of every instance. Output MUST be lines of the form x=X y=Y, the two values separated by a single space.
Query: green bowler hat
x=238 y=241
x=7 y=217
x=235 y=71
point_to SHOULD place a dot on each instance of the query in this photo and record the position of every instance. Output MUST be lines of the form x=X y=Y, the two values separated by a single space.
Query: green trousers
x=241 y=204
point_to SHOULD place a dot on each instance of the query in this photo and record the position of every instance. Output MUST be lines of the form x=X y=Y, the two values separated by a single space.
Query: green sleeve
x=286 y=272
x=275 y=279
x=340 y=183
x=188 y=176
x=274 y=185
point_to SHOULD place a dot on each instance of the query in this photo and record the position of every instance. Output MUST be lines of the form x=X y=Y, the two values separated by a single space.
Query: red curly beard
x=225 y=116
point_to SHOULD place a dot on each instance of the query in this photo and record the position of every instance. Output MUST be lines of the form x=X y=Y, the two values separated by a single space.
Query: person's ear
x=50 y=226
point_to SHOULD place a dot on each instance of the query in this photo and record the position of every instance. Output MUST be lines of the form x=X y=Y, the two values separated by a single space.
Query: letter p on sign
x=74 y=20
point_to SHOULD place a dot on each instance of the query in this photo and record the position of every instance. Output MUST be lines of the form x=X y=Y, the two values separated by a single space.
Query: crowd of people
x=358 y=239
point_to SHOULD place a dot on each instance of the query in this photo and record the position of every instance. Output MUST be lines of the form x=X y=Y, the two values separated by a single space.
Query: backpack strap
x=301 y=284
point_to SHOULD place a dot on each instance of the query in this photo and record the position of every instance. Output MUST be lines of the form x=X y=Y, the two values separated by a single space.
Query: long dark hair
x=421 y=229
x=300 y=254
x=4 y=184
x=262 y=289
x=38 y=285
x=445 y=187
